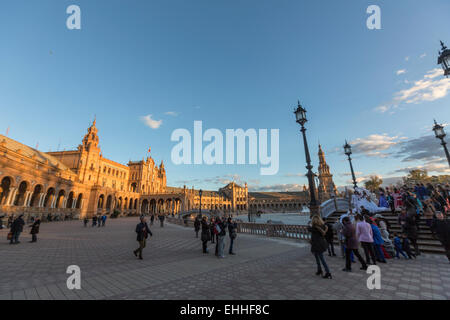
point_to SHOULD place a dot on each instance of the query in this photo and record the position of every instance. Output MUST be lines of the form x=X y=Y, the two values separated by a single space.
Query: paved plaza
x=175 y=268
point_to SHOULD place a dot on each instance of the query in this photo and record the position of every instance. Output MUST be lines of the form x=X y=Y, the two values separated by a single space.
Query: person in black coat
x=16 y=229
x=212 y=227
x=142 y=231
x=35 y=230
x=411 y=226
x=197 y=225
x=232 y=231
x=319 y=245
x=441 y=228
x=329 y=236
x=206 y=234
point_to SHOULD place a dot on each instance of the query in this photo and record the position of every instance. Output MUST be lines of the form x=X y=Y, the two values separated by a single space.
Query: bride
x=362 y=198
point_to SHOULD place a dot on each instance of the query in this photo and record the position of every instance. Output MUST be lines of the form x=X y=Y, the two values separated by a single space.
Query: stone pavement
x=174 y=268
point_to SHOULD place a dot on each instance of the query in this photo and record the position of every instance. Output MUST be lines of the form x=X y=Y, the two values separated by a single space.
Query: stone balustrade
x=262 y=229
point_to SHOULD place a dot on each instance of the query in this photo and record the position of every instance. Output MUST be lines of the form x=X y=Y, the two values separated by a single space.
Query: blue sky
x=231 y=64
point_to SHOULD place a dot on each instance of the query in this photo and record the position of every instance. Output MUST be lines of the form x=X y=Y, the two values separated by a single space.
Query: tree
x=374 y=183
x=416 y=175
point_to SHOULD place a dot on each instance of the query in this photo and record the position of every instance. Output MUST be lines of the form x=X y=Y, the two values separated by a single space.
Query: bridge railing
x=262 y=229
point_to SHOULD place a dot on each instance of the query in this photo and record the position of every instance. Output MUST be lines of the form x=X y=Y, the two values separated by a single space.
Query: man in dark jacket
x=16 y=229
x=441 y=227
x=35 y=230
x=197 y=226
x=142 y=231
x=232 y=231
x=329 y=236
x=351 y=245
x=221 y=233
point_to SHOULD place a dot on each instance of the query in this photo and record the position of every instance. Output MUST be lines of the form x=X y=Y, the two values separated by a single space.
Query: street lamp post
x=440 y=134
x=348 y=152
x=300 y=115
x=200 y=194
x=444 y=59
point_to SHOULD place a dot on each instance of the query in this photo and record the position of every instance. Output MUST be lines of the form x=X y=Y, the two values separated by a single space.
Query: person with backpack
x=142 y=231
x=232 y=231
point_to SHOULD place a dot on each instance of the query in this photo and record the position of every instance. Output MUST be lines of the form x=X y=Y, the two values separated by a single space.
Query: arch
x=49 y=196
x=101 y=201
x=144 y=206
x=79 y=201
x=20 y=196
x=130 y=205
x=60 y=199
x=108 y=202
x=153 y=206
x=5 y=189
x=69 y=203
x=133 y=187
x=35 y=197
x=135 y=204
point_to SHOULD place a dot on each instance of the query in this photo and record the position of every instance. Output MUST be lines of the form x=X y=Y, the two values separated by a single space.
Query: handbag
x=9 y=236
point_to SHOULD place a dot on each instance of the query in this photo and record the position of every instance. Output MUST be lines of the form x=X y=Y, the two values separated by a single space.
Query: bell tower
x=89 y=163
x=327 y=188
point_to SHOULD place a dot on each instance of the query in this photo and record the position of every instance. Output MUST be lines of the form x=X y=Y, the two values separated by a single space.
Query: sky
x=147 y=68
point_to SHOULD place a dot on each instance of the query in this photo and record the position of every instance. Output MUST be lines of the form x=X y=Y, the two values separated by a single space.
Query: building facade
x=82 y=182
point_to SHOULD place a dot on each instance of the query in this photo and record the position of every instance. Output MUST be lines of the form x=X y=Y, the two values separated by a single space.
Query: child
x=398 y=247
x=406 y=247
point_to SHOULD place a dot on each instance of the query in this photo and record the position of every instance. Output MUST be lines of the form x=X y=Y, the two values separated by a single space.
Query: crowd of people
x=215 y=231
x=363 y=227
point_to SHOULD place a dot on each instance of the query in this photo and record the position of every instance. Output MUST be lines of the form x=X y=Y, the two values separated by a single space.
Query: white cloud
x=171 y=113
x=423 y=55
x=149 y=122
x=288 y=187
x=375 y=145
x=402 y=71
x=406 y=58
x=431 y=87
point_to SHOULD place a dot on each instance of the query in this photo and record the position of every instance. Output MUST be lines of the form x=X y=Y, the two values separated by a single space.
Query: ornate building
x=326 y=188
x=82 y=183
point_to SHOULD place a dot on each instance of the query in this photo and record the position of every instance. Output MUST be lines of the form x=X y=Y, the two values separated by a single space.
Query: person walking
x=152 y=218
x=197 y=225
x=206 y=234
x=221 y=233
x=411 y=226
x=211 y=229
x=365 y=237
x=329 y=236
x=377 y=241
x=16 y=229
x=351 y=245
x=319 y=245
x=94 y=221
x=104 y=217
x=35 y=230
x=161 y=220
x=441 y=228
x=142 y=231
x=232 y=231
x=398 y=247
x=99 y=221
x=85 y=221
x=406 y=247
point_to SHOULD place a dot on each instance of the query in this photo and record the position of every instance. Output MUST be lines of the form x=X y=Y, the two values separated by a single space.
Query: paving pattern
x=175 y=268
